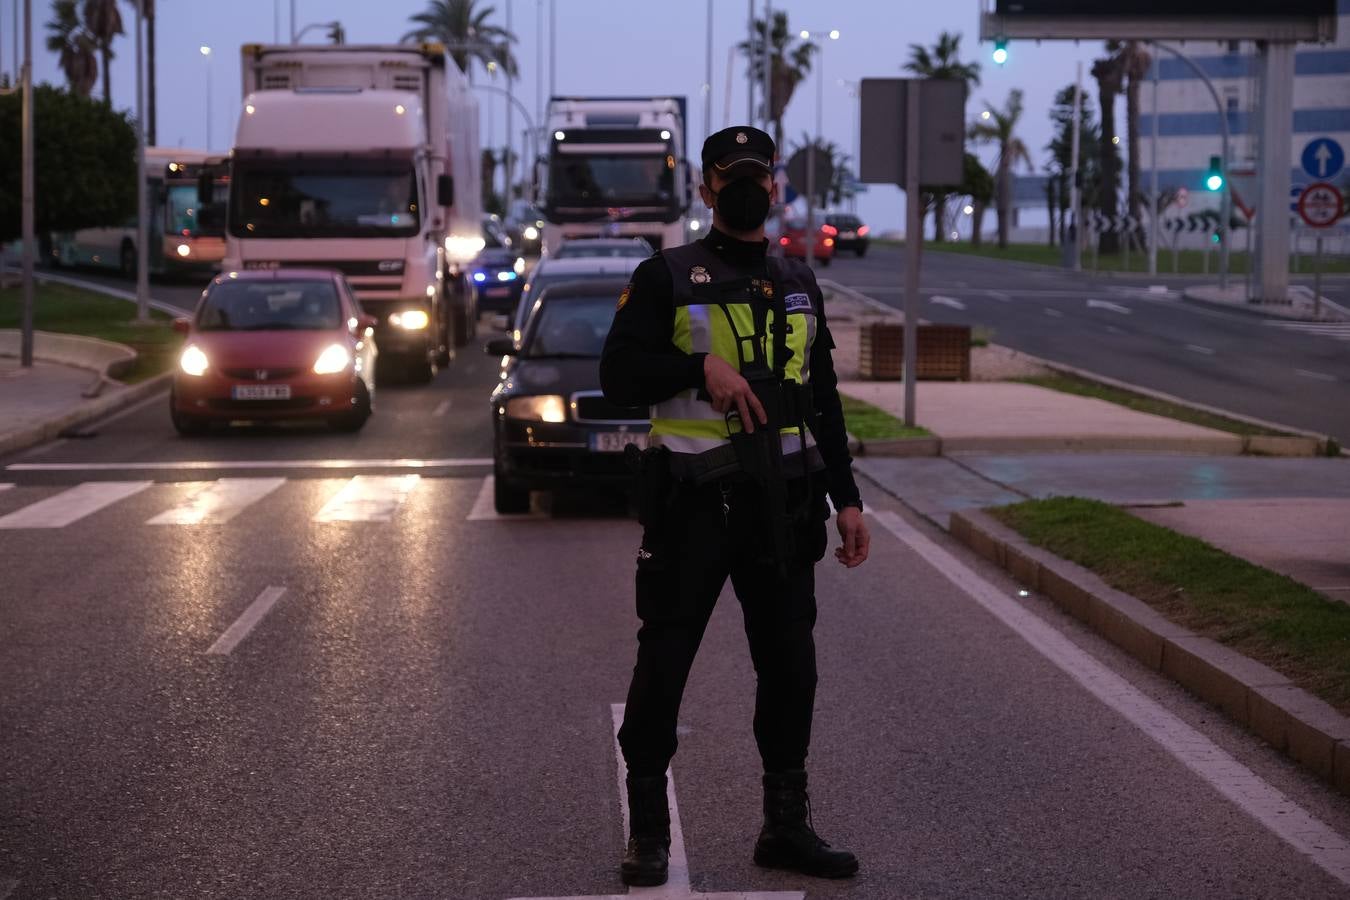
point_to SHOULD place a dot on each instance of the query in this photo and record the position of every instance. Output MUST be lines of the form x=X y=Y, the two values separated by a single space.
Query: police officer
x=692 y=324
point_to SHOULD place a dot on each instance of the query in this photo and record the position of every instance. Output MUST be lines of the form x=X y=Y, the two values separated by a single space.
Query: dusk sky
x=603 y=47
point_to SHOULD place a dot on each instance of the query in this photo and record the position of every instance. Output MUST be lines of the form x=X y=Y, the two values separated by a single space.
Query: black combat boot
x=648 y=854
x=788 y=840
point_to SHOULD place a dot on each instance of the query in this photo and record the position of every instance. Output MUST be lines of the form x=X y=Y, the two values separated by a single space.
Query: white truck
x=614 y=167
x=364 y=159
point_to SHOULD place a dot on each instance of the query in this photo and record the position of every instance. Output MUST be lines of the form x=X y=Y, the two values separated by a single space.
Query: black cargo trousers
x=690 y=546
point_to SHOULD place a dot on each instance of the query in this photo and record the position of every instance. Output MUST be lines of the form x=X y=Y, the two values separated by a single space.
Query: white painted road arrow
x=1107 y=304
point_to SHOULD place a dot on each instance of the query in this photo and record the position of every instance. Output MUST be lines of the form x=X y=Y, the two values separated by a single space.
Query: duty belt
x=721 y=463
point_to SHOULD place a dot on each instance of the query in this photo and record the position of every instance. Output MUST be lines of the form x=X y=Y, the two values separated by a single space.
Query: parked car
x=552 y=426
x=275 y=344
x=792 y=238
x=551 y=270
x=849 y=232
x=635 y=247
x=498 y=272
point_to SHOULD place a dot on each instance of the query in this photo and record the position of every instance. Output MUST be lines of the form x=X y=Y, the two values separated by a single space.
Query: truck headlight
x=410 y=320
x=184 y=250
x=531 y=233
x=193 y=361
x=519 y=265
x=334 y=358
x=463 y=248
x=542 y=408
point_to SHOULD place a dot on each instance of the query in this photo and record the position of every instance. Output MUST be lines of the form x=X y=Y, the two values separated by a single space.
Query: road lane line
x=1319 y=376
x=244 y=624
x=208 y=464
x=1243 y=787
x=73 y=504
x=217 y=502
x=1107 y=304
x=941 y=300
x=1054 y=313
x=1196 y=348
x=368 y=498
x=1000 y=296
x=441 y=408
x=484 y=507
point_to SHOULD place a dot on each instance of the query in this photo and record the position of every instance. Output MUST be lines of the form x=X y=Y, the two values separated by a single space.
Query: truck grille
x=593 y=408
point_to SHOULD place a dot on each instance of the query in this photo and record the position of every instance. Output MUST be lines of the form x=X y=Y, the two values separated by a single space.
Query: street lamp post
x=206 y=55
x=142 y=202
x=854 y=89
x=26 y=225
x=810 y=239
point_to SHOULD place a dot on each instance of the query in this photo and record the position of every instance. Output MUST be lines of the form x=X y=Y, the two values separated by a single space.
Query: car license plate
x=847 y=235
x=261 y=392
x=497 y=291
x=615 y=441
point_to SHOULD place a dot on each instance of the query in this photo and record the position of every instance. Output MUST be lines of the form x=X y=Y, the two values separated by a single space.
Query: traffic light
x=1001 y=51
x=1214 y=179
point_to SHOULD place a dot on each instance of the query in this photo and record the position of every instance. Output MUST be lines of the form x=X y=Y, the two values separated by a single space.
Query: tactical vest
x=716 y=306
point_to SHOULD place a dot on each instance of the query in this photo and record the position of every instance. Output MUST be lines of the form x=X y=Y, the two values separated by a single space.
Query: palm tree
x=942 y=62
x=834 y=192
x=75 y=49
x=466 y=34
x=998 y=129
x=103 y=22
x=1110 y=74
x=790 y=60
x=1135 y=60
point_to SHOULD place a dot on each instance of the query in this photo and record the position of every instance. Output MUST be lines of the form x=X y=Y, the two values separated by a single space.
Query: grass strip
x=70 y=310
x=1082 y=387
x=868 y=423
x=1262 y=614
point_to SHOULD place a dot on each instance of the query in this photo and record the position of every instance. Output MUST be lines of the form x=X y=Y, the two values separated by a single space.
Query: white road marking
x=1107 y=304
x=217 y=502
x=6 y=486
x=208 y=464
x=368 y=498
x=441 y=408
x=678 y=880
x=1339 y=331
x=1000 y=296
x=941 y=300
x=73 y=504
x=244 y=624
x=1196 y=348
x=1319 y=376
x=1054 y=313
x=1240 y=785
x=1111 y=329
x=485 y=510
x=1157 y=289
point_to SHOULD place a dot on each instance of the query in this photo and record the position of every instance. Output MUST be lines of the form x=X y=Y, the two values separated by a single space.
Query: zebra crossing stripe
x=217 y=502
x=72 y=505
x=6 y=486
x=368 y=498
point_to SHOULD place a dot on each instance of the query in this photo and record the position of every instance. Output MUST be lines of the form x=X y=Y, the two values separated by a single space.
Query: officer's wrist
x=698 y=371
x=855 y=503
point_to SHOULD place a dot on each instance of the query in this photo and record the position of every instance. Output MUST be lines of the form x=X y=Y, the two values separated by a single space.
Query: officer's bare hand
x=853 y=532
x=730 y=391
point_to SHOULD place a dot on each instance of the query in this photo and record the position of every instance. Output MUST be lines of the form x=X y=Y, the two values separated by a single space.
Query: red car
x=793 y=241
x=280 y=344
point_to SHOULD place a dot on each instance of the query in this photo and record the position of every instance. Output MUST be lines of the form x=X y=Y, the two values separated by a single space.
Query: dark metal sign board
x=942 y=131
x=1214 y=20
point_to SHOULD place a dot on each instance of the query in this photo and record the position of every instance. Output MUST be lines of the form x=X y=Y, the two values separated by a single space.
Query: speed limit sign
x=1321 y=205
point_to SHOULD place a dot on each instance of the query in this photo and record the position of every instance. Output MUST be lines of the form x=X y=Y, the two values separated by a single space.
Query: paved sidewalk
x=36 y=404
x=1014 y=417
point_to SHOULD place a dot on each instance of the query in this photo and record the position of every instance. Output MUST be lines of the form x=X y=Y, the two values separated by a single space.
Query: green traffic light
x=1000 y=51
x=1214 y=180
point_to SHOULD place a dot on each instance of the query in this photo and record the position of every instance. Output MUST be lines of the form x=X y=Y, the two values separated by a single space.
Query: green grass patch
x=868 y=423
x=1187 y=262
x=70 y=310
x=1262 y=614
x=1070 y=384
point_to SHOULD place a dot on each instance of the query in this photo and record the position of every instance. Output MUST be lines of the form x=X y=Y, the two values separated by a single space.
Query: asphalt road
x=359 y=682
x=1135 y=329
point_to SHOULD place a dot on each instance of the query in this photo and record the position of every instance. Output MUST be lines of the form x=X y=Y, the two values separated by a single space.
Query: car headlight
x=334 y=358
x=410 y=320
x=193 y=361
x=463 y=248
x=184 y=250
x=507 y=276
x=519 y=265
x=531 y=233
x=543 y=408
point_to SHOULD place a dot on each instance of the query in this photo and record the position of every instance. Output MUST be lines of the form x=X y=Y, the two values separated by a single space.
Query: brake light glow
x=829 y=242
x=783 y=241
x=862 y=230
x=829 y=229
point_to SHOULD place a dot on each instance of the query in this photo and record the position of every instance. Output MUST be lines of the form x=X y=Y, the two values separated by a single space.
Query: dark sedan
x=849 y=232
x=552 y=426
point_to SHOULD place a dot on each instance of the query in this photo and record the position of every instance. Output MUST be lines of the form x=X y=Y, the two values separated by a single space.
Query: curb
x=1189 y=295
x=107 y=358
x=85 y=412
x=907 y=447
x=1305 y=728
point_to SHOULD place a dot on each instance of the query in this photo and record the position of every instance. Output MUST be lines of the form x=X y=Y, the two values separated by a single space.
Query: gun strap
x=780 y=327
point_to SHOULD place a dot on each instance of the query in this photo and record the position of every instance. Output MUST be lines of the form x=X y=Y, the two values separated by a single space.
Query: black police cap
x=738 y=147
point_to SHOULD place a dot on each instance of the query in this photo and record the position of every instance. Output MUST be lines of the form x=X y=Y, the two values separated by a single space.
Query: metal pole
x=539 y=63
x=768 y=69
x=1076 y=256
x=208 y=100
x=750 y=68
x=811 y=162
x=142 y=206
x=913 y=244
x=1155 y=212
x=292 y=21
x=1317 y=280
x=276 y=21
x=553 y=48
x=510 y=134
x=708 y=76
x=26 y=216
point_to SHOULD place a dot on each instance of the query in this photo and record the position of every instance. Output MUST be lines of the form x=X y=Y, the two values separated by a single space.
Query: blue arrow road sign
x=1323 y=158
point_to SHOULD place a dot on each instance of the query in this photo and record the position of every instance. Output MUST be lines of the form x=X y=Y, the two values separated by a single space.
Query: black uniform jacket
x=641 y=364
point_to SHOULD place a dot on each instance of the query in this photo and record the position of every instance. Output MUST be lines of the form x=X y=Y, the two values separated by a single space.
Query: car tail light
x=862 y=230
x=829 y=229
x=783 y=241
x=829 y=242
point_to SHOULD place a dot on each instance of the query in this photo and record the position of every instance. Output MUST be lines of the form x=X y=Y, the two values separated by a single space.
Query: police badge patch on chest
x=797 y=303
x=699 y=275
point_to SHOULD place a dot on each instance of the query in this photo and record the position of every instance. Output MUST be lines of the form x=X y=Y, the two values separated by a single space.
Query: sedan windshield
x=270 y=306
x=323 y=198
x=570 y=327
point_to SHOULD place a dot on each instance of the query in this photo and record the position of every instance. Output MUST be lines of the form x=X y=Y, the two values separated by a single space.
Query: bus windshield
x=323 y=198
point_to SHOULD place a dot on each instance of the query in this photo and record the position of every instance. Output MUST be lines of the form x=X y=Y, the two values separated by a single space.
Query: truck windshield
x=300 y=198
x=604 y=180
x=270 y=306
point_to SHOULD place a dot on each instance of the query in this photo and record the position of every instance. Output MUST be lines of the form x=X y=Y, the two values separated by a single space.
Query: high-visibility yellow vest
x=715 y=307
